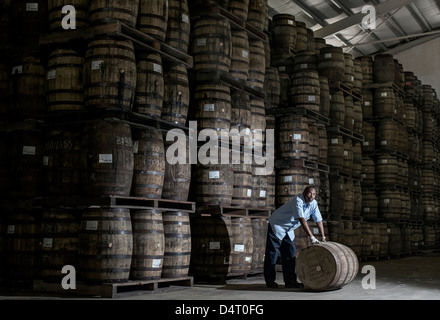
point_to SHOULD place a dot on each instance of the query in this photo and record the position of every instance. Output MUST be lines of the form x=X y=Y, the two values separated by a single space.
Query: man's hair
x=309 y=189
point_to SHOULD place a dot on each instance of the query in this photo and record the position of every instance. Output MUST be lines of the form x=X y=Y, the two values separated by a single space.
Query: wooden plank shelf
x=232 y=211
x=346 y=132
x=283 y=110
x=377 y=85
x=115 y=290
x=337 y=85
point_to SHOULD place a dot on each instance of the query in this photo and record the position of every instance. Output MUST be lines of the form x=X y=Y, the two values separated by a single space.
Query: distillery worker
x=281 y=236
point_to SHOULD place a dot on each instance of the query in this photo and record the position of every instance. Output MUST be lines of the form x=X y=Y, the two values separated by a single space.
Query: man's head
x=309 y=194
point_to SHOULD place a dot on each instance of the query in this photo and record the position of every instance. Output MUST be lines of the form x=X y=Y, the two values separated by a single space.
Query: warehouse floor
x=415 y=277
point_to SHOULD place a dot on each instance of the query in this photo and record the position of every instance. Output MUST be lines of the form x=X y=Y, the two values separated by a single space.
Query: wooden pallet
x=233 y=211
x=283 y=110
x=115 y=290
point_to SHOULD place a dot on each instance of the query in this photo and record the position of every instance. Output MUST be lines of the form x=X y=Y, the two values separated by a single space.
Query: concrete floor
x=414 y=277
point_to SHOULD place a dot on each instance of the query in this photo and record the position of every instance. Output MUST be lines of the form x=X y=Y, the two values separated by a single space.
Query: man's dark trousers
x=286 y=248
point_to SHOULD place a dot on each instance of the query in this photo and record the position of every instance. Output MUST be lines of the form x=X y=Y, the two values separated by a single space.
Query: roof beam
x=381 y=9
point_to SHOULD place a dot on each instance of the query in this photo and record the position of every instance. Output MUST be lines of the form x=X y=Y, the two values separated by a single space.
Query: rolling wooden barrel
x=59 y=244
x=211 y=44
x=177 y=253
x=149 y=163
x=153 y=18
x=105 y=245
x=327 y=266
x=56 y=15
x=284 y=33
x=176 y=94
x=125 y=11
x=239 y=68
x=148 y=244
x=107 y=158
x=150 y=87
x=65 y=86
x=110 y=74
x=179 y=25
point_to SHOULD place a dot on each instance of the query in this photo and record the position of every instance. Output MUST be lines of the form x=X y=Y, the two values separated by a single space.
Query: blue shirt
x=285 y=219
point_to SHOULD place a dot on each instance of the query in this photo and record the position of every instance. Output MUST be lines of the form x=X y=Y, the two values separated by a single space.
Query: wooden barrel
x=349 y=113
x=410 y=115
x=367 y=69
x=107 y=158
x=337 y=108
x=212 y=105
x=215 y=181
x=369 y=132
x=272 y=88
x=179 y=25
x=367 y=103
x=149 y=163
x=257 y=64
x=358 y=76
x=59 y=242
x=176 y=94
x=322 y=143
x=358 y=118
x=383 y=68
x=22 y=241
x=105 y=245
x=240 y=113
x=239 y=67
x=4 y=82
x=148 y=244
x=242 y=187
x=306 y=61
x=313 y=140
x=384 y=103
x=336 y=231
x=257 y=14
x=410 y=84
x=327 y=266
x=65 y=90
x=394 y=231
x=349 y=70
x=56 y=15
x=271 y=191
x=357 y=158
x=259 y=186
x=290 y=182
x=370 y=202
x=348 y=156
x=153 y=18
x=242 y=246
x=150 y=87
x=259 y=234
x=177 y=253
x=324 y=97
x=283 y=32
x=110 y=74
x=331 y=63
x=28 y=21
x=388 y=133
x=349 y=199
x=258 y=124
x=177 y=178
x=293 y=137
x=62 y=161
x=301 y=36
x=306 y=90
x=335 y=157
x=125 y=11
x=211 y=44
x=337 y=197
x=302 y=240
x=387 y=169
x=240 y=8
x=27 y=89
x=284 y=62
x=390 y=204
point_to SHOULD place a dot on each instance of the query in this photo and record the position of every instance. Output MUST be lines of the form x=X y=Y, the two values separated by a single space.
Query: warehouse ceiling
x=398 y=24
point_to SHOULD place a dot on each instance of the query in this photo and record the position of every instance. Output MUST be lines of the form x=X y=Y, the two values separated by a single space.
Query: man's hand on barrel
x=313 y=240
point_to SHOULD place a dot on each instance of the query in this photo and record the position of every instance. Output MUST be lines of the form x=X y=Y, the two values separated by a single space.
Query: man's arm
x=321 y=230
x=305 y=226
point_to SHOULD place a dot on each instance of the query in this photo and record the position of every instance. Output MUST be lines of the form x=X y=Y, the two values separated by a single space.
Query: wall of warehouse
x=424 y=61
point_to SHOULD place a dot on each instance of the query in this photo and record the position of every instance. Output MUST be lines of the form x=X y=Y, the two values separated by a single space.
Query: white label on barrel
x=208 y=107
x=366 y=143
x=282 y=69
x=91 y=225
x=330 y=97
x=106 y=158
x=384 y=161
x=366 y=209
x=45 y=161
x=96 y=65
x=17 y=69
x=156 y=263
x=238 y=247
x=297 y=136
x=51 y=74
x=214 y=245
x=32 y=6
x=288 y=179
x=345 y=153
x=201 y=42
x=352 y=78
x=249 y=192
x=29 y=150
x=214 y=174
x=363 y=175
x=367 y=103
x=415 y=183
x=334 y=141
x=311 y=181
x=303 y=66
x=311 y=98
x=10 y=229
x=245 y=54
x=185 y=18
x=226 y=260
x=428 y=208
x=47 y=242
x=262 y=193
x=315 y=230
x=388 y=230
x=290 y=22
x=135 y=146
x=383 y=142
x=157 y=68
x=327 y=56
x=383 y=94
x=386 y=200
x=248 y=259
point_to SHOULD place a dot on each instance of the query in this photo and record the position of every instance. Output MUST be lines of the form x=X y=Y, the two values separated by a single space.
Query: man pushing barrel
x=281 y=236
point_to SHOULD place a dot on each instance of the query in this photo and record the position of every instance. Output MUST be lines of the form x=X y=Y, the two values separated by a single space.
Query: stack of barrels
x=100 y=157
